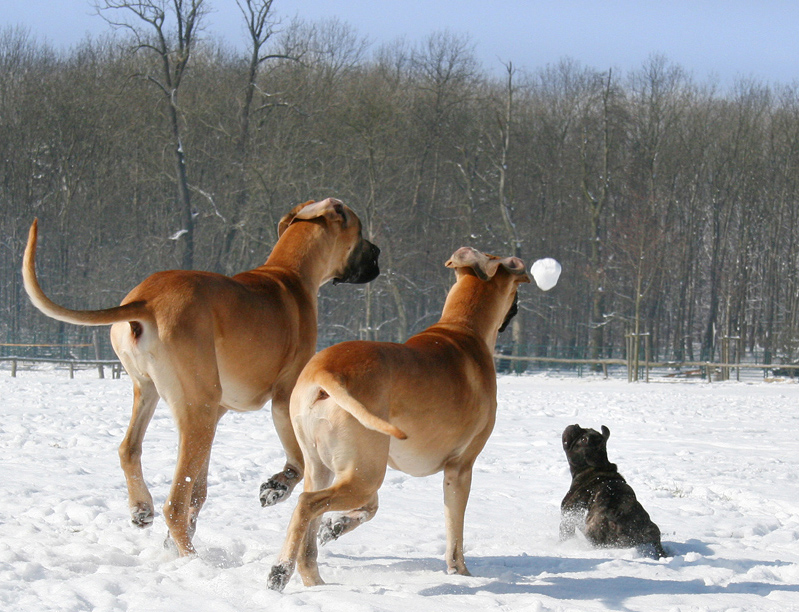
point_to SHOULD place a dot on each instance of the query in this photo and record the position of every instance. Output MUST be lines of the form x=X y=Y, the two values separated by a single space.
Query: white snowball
x=546 y=273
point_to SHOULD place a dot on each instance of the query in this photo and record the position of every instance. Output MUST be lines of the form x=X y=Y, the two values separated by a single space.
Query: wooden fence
x=70 y=364
x=640 y=371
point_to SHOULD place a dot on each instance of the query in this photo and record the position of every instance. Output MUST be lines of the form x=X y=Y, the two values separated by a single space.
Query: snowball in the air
x=546 y=273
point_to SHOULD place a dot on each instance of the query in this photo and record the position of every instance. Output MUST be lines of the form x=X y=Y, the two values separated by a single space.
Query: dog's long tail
x=342 y=397
x=127 y=312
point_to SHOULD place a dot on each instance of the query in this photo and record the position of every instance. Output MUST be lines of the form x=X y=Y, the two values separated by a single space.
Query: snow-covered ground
x=716 y=465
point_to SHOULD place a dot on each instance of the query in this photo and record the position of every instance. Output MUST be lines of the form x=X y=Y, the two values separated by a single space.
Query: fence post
x=13 y=368
x=96 y=343
x=628 y=338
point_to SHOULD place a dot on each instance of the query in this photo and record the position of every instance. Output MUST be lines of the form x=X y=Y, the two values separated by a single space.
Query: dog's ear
x=605 y=433
x=467 y=257
x=485 y=266
x=515 y=266
x=329 y=207
x=286 y=220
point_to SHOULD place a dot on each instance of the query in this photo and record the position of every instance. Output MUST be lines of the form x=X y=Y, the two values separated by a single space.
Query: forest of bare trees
x=672 y=205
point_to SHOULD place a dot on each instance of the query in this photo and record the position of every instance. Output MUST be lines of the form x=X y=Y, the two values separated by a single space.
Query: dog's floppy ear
x=467 y=257
x=485 y=266
x=313 y=210
x=605 y=433
x=286 y=220
x=515 y=266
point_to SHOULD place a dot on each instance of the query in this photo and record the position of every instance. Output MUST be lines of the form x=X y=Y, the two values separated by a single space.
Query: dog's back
x=432 y=394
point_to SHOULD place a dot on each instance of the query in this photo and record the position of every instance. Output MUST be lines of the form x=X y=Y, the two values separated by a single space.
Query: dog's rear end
x=617 y=519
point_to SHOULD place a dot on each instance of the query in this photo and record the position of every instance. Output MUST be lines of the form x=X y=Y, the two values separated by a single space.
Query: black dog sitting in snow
x=600 y=502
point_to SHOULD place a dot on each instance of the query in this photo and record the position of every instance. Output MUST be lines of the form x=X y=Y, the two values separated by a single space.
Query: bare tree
x=168 y=29
x=261 y=28
x=596 y=180
x=505 y=197
x=637 y=243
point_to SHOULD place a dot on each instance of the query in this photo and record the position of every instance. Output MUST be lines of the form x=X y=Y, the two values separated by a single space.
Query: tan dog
x=421 y=407
x=208 y=343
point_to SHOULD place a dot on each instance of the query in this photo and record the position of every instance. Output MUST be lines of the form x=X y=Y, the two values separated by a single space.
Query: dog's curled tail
x=127 y=312
x=342 y=397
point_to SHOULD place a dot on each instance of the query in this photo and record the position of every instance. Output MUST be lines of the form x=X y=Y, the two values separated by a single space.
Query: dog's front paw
x=169 y=545
x=279 y=577
x=141 y=515
x=458 y=569
x=653 y=550
x=273 y=492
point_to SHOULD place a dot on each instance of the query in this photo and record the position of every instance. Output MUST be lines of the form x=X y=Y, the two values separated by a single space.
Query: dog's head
x=586 y=448
x=506 y=272
x=358 y=263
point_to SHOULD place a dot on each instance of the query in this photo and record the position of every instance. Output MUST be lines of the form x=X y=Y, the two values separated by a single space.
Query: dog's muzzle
x=362 y=266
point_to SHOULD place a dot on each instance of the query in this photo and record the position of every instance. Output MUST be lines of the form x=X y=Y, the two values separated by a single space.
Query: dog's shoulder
x=592 y=476
x=589 y=483
x=584 y=487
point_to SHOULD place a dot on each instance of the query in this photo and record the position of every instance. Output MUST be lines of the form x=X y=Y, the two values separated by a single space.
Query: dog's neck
x=302 y=251
x=586 y=471
x=475 y=306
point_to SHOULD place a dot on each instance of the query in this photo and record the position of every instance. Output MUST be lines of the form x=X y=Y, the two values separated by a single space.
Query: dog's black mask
x=514 y=308
x=362 y=265
x=586 y=448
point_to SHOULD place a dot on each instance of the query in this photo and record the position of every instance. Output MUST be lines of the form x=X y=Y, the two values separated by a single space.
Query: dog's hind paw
x=141 y=515
x=330 y=530
x=273 y=492
x=279 y=577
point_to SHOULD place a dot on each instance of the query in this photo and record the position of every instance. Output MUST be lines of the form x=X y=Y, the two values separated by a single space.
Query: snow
x=546 y=273
x=715 y=465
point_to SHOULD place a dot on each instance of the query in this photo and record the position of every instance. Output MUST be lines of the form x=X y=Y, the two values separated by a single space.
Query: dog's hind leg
x=318 y=477
x=359 y=464
x=196 y=427
x=145 y=398
x=334 y=528
x=199 y=492
x=301 y=533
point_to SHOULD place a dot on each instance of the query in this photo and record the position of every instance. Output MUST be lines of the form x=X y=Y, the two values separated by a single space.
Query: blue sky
x=712 y=39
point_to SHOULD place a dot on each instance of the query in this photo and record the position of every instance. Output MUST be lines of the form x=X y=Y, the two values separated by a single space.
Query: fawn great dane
x=421 y=407
x=207 y=343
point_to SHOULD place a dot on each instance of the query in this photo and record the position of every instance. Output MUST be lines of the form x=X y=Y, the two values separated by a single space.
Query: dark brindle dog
x=600 y=502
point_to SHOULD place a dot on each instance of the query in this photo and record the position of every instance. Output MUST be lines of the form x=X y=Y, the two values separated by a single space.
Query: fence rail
x=70 y=364
x=706 y=369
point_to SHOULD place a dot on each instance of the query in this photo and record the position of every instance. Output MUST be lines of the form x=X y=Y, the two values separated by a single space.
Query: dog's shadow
x=555 y=576
x=504 y=570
